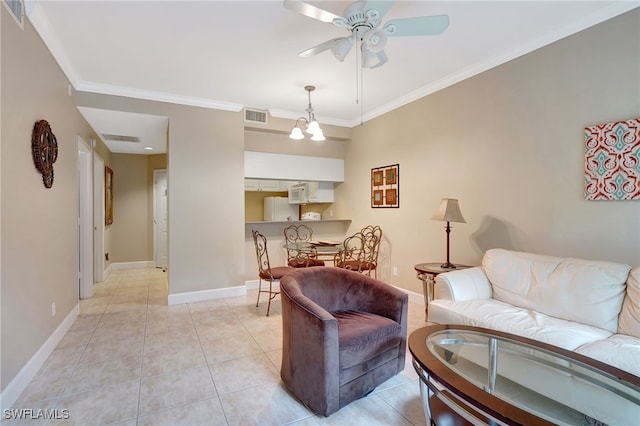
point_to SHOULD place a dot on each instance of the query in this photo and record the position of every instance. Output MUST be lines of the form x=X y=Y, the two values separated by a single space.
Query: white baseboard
x=204 y=295
x=413 y=296
x=221 y=293
x=19 y=383
x=254 y=284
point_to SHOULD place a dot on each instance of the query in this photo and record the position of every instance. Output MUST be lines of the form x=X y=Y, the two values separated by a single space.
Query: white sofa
x=590 y=307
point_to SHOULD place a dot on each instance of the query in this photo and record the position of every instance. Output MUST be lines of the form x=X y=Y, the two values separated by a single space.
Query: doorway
x=160 y=223
x=85 y=220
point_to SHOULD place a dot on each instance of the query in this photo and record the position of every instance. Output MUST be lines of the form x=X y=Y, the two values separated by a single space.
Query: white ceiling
x=235 y=54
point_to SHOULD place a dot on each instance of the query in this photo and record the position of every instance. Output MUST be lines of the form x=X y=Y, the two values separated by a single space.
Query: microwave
x=299 y=193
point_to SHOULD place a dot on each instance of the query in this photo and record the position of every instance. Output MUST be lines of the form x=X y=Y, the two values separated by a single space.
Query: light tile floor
x=129 y=359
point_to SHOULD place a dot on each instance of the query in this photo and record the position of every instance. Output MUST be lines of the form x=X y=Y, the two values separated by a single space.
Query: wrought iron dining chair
x=265 y=271
x=356 y=253
x=373 y=237
x=300 y=253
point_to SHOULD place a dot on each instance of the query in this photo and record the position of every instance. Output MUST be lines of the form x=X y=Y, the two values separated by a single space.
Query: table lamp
x=449 y=211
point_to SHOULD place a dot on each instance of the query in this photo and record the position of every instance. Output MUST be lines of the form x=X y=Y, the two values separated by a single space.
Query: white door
x=98 y=217
x=160 y=234
x=85 y=220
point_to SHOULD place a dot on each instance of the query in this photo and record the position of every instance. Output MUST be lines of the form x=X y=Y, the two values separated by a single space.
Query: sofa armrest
x=465 y=284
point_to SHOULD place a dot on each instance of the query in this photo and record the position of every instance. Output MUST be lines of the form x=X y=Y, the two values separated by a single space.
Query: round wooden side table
x=427 y=273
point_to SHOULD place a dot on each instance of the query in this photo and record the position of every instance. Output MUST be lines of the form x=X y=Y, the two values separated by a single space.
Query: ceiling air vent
x=255 y=116
x=120 y=138
x=16 y=7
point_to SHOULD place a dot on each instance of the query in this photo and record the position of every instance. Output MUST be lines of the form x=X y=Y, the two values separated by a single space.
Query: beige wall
x=509 y=145
x=129 y=231
x=132 y=228
x=279 y=143
x=39 y=236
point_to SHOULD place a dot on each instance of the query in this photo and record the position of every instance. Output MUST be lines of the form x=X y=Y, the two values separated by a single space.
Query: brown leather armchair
x=344 y=333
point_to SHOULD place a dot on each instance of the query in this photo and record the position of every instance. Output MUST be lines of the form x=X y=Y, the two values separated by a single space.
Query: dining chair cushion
x=277 y=272
x=295 y=263
x=354 y=265
x=364 y=335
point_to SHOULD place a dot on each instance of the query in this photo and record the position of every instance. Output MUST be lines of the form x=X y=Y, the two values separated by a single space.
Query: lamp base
x=448 y=265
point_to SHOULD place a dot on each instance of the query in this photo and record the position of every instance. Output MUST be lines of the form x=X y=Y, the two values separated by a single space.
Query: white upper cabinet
x=266 y=185
x=265 y=165
x=321 y=192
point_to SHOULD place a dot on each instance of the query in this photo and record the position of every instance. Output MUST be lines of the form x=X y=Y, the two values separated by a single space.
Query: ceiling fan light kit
x=311 y=125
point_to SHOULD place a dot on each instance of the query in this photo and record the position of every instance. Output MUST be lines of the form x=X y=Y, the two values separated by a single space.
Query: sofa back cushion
x=586 y=291
x=629 y=322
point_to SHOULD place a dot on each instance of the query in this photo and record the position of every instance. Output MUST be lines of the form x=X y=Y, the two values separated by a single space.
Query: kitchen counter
x=329 y=229
x=297 y=222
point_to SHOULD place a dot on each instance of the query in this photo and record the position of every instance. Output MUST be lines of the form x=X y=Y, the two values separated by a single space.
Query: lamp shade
x=341 y=47
x=373 y=59
x=313 y=127
x=296 y=133
x=449 y=211
x=318 y=136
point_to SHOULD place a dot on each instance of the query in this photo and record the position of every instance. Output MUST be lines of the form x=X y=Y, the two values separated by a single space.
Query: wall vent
x=16 y=7
x=120 y=138
x=255 y=116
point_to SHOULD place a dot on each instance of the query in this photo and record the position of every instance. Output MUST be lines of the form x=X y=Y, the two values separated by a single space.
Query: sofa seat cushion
x=586 y=291
x=363 y=335
x=496 y=315
x=619 y=350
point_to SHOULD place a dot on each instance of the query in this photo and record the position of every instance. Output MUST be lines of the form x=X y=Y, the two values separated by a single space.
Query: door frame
x=98 y=217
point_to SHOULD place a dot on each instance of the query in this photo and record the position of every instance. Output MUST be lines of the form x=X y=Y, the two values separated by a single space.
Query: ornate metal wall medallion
x=44 y=147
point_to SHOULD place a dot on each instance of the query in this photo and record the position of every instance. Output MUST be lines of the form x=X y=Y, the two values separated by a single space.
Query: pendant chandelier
x=308 y=124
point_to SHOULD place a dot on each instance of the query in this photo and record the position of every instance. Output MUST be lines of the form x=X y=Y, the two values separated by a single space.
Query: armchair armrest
x=309 y=337
x=465 y=284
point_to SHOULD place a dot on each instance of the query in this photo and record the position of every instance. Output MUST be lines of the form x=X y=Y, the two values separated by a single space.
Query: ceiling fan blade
x=310 y=10
x=421 y=25
x=319 y=48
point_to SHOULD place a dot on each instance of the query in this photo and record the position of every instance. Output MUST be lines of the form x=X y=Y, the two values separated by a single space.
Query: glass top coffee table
x=472 y=375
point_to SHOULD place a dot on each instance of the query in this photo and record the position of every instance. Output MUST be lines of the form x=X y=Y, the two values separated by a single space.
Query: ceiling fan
x=363 y=18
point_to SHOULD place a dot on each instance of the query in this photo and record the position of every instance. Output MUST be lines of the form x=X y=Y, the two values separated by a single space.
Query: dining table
x=323 y=250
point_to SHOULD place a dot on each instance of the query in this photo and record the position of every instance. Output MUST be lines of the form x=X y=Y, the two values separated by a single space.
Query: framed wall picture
x=612 y=161
x=385 y=184
x=108 y=196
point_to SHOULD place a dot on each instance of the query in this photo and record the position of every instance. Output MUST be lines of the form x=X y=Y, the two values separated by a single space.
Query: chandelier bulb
x=318 y=136
x=313 y=127
x=296 y=133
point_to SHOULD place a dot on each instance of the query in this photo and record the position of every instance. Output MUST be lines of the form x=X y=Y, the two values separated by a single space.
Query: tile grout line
x=144 y=341
x=206 y=360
